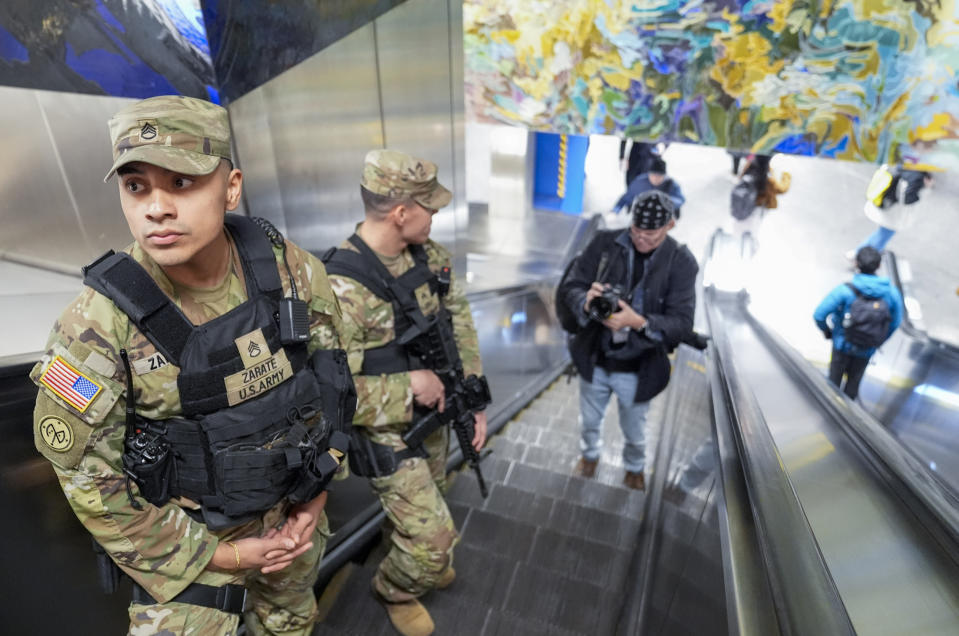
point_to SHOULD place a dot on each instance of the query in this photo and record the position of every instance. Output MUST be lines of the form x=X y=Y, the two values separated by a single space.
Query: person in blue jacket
x=654 y=179
x=848 y=359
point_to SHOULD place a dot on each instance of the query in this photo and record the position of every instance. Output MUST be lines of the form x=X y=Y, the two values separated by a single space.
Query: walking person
x=858 y=317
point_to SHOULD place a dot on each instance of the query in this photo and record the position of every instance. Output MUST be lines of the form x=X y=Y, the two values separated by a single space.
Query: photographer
x=633 y=292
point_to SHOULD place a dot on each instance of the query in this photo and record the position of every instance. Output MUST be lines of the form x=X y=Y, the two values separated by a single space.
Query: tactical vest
x=367 y=458
x=409 y=321
x=263 y=420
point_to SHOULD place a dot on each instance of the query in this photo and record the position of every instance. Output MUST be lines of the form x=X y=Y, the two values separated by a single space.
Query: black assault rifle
x=465 y=396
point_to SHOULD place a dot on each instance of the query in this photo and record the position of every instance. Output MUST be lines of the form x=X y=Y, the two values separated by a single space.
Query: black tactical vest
x=262 y=420
x=408 y=319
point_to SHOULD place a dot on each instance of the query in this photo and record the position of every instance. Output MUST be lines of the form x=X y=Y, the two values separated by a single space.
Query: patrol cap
x=652 y=210
x=398 y=175
x=182 y=134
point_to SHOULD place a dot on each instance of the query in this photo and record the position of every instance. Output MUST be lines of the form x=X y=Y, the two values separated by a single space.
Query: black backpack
x=743 y=198
x=866 y=322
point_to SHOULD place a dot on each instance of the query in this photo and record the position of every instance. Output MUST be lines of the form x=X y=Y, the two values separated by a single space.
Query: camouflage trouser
x=423 y=535
x=280 y=603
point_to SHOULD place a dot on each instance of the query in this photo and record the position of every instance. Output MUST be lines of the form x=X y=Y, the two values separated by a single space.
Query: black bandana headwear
x=652 y=210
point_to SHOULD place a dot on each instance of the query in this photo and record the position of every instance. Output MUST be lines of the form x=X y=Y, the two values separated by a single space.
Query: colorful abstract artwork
x=867 y=80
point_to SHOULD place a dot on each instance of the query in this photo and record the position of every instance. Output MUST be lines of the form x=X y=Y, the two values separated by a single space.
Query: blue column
x=560 y=170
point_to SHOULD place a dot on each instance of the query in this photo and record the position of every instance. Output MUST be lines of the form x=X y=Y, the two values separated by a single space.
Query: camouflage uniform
x=424 y=534
x=162 y=548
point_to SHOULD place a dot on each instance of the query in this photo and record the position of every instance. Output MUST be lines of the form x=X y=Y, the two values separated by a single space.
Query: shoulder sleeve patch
x=60 y=436
x=80 y=390
x=72 y=386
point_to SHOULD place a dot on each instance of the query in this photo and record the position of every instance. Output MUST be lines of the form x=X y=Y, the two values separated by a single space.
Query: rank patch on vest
x=253 y=348
x=73 y=387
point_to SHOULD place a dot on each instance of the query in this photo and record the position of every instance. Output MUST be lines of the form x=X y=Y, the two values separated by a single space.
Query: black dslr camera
x=606 y=304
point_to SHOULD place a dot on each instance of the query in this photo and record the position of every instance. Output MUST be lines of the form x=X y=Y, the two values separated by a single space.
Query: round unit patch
x=56 y=433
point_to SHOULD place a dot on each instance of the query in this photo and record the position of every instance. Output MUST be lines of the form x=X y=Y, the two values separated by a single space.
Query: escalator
x=854 y=533
x=773 y=505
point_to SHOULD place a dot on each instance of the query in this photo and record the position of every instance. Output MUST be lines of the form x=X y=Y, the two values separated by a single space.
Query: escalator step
x=542 y=595
x=580 y=559
x=537 y=480
x=482 y=579
x=520 y=505
x=559 y=460
x=509 y=624
x=604 y=527
x=616 y=500
x=498 y=535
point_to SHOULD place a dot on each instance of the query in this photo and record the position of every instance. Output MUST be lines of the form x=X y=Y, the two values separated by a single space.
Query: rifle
x=465 y=396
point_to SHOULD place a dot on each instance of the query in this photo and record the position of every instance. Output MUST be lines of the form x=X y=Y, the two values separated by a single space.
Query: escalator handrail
x=749 y=600
x=923 y=492
x=909 y=325
x=806 y=598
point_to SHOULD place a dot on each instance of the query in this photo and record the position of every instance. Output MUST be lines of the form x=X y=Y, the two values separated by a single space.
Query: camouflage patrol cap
x=397 y=175
x=182 y=134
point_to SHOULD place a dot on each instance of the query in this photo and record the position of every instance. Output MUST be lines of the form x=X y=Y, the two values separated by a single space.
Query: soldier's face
x=645 y=241
x=177 y=219
x=417 y=223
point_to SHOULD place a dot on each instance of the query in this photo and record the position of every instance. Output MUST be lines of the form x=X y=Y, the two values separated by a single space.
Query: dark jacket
x=837 y=302
x=668 y=302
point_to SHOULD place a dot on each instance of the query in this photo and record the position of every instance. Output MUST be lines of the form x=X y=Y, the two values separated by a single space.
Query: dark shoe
x=636 y=481
x=586 y=467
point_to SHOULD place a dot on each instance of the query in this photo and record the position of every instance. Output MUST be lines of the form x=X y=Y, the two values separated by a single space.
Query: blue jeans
x=593 y=398
x=878 y=239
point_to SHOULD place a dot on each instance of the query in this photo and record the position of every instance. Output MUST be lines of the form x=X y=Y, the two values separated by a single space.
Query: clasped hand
x=278 y=547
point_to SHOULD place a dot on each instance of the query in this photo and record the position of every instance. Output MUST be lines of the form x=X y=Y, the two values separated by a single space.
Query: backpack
x=567 y=319
x=866 y=322
x=881 y=191
x=743 y=198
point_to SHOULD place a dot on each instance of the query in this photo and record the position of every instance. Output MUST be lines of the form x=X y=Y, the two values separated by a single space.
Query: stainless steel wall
x=55 y=210
x=397 y=83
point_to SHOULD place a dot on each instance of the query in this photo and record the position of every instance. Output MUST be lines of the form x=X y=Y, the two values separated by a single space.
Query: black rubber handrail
x=930 y=499
x=749 y=600
x=805 y=596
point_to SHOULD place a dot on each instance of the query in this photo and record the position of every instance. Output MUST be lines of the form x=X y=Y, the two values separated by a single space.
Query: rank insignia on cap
x=73 y=387
x=148 y=131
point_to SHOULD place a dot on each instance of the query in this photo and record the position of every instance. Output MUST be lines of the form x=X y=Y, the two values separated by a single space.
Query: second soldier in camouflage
x=400 y=195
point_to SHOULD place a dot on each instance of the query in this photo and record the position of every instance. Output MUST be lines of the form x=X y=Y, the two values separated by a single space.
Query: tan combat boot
x=410 y=618
x=447 y=579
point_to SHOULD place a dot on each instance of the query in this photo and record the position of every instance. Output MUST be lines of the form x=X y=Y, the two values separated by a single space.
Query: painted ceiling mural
x=850 y=79
x=125 y=48
x=141 y=48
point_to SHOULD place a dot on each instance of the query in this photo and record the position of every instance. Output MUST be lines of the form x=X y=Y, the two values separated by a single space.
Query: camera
x=606 y=304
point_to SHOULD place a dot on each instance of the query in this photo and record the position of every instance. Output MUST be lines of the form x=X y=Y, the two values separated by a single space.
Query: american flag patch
x=77 y=389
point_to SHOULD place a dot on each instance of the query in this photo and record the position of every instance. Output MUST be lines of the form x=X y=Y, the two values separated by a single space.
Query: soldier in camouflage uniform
x=401 y=194
x=176 y=179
